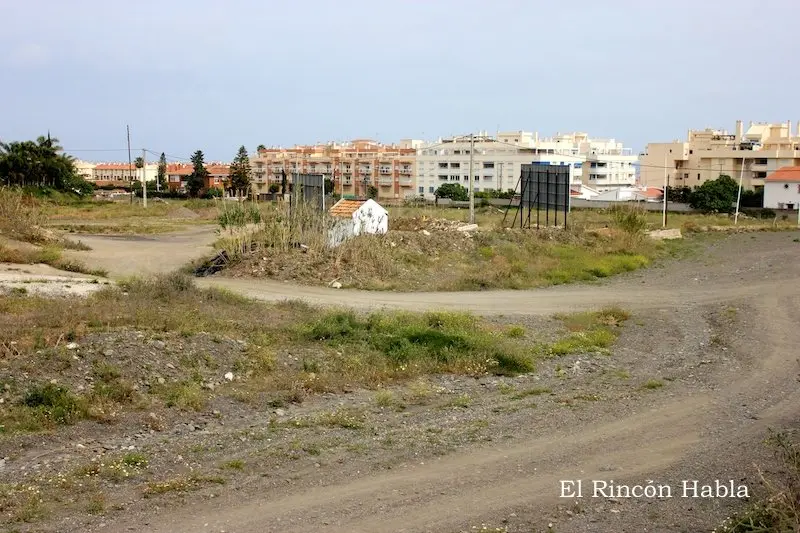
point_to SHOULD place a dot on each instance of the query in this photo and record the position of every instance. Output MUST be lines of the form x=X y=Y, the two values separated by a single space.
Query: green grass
x=534 y=391
x=185 y=395
x=652 y=384
x=590 y=332
x=234 y=464
x=407 y=344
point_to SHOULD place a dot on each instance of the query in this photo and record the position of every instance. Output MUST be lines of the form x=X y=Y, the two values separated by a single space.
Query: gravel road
x=710 y=426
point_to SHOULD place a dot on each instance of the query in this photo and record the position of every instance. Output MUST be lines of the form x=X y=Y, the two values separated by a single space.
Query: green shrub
x=630 y=219
x=56 y=403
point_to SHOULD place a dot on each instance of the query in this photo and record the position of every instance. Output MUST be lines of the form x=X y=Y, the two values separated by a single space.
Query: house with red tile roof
x=178 y=174
x=782 y=188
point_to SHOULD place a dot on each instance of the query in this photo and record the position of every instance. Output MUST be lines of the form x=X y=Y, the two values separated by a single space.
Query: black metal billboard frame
x=537 y=201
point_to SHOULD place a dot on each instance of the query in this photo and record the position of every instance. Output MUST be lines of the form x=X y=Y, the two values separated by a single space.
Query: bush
x=715 y=196
x=211 y=193
x=57 y=404
x=453 y=191
x=630 y=219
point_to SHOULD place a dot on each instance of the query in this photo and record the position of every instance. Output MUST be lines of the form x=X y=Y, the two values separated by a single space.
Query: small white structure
x=630 y=194
x=782 y=189
x=582 y=192
x=356 y=217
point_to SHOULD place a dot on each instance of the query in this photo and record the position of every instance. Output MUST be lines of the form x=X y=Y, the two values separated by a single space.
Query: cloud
x=29 y=55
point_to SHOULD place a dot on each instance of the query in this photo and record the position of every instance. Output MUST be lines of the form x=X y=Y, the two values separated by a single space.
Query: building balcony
x=406 y=182
x=385 y=170
x=405 y=171
x=386 y=182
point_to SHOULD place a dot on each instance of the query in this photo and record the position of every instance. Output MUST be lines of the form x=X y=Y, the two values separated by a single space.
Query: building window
x=488 y=165
x=442 y=165
x=760 y=162
x=686 y=176
x=421 y=190
x=690 y=152
x=443 y=176
x=455 y=165
x=455 y=178
x=430 y=189
x=698 y=176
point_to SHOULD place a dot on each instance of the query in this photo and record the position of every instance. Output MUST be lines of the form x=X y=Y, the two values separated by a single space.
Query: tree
x=681 y=195
x=274 y=188
x=329 y=186
x=372 y=192
x=196 y=181
x=39 y=163
x=239 y=174
x=161 y=177
x=715 y=196
x=138 y=162
x=260 y=148
x=454 y=191
x=284 y=189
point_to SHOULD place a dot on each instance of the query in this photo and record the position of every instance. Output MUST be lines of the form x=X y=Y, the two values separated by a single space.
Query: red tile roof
x=785 y=174
x=346 y=208
x=653 y=192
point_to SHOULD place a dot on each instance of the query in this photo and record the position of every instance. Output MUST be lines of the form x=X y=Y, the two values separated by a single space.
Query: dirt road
x=706 y=431
x=130 y=255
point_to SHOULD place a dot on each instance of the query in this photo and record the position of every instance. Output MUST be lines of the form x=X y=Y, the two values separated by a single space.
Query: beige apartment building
x=751 y=154
x=353 y=167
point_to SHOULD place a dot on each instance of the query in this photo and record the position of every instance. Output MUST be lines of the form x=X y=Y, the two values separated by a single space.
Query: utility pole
x=739 y=195
x=471 y=190
x=664 y=216
x=130 y=161
x=144 y=178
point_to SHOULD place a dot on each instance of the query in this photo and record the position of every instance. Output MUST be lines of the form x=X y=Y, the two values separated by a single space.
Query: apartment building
x=752 y=154
x=601 y=164
x=353 y=167
x=118 y=172
x=496 y=164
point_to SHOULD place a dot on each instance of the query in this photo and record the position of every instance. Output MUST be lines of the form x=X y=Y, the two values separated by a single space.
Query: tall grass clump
x=238 y=214
x=629 y=218
x=21 y=216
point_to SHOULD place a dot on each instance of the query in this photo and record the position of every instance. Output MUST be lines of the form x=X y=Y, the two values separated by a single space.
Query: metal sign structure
x=545 y=190
x=308 y=188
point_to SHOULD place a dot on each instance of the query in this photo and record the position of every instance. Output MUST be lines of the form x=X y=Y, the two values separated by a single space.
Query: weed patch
x=406 y=344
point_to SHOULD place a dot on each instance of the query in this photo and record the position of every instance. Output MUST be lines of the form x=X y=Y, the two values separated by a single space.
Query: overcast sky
x=213 y=75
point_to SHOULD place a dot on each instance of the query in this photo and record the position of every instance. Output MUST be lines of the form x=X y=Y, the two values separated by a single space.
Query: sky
x=212 y=75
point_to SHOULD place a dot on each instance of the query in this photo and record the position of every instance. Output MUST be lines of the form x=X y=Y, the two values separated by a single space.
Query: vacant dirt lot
x=703 y=368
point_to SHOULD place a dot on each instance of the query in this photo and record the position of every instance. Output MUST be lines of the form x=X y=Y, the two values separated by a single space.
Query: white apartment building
x=706 y=154
x=601 y=164
x=496 y=165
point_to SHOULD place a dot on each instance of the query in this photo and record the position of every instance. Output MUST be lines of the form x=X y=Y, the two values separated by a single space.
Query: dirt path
x=129 y=255
x=701 y=434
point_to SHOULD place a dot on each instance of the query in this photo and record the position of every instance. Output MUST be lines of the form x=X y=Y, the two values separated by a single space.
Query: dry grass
x=21 y=221
x=596 y=244
x=292 y=246
x=332 y=350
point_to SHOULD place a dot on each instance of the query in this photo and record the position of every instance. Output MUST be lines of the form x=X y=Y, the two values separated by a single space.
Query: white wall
x=776 y=193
